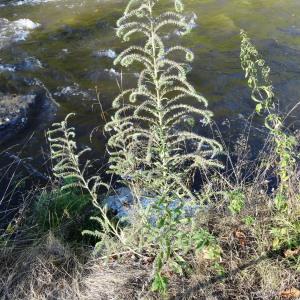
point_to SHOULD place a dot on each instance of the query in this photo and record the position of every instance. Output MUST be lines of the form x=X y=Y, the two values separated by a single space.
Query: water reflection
x=72 y=50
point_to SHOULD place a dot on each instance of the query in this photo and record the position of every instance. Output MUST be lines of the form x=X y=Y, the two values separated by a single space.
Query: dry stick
x=100 y=104
x=48 y=94
x=291 y=110
x=29 y=168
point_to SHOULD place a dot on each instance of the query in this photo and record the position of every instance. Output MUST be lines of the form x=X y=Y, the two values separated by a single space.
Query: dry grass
x=45 y=270
x=49 y=269
x=114 y=281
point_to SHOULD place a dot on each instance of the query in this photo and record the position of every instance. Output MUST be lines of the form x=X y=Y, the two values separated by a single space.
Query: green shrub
x=285 y=227
x=54 y=208
x=236 y=201
x=262 y=92
x=286 y=233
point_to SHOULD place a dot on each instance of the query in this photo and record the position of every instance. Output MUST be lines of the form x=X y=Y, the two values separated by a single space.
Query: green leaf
x=176 y=267
x=259 y=108
x=159 y=283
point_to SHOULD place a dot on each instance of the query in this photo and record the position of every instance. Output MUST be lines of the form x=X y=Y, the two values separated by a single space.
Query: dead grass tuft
x=50 y=270
x=46 y=270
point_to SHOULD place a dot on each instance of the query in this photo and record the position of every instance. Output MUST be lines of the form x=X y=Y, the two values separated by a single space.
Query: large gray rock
x=14 y=114
x=121 y=202
x=124 y=205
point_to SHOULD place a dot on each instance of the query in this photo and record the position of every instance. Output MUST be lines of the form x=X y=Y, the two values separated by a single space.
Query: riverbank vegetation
x=198 y=220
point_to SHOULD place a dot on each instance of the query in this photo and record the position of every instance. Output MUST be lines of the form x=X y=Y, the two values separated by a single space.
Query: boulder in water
x=13 y=31
x=14 y=112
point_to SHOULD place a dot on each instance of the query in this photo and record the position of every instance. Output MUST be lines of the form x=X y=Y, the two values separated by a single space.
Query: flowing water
x=69 y=46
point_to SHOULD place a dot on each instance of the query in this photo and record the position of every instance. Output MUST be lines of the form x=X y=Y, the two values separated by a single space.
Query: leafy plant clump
x=56 y=207
x=286 y=220
x=68 y=170
x=258 y=74
x=149 y=147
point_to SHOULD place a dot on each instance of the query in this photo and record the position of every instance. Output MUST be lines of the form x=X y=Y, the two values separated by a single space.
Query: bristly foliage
x=64 y=154
x=146 y=131
x=150 y=147
x=66 y=167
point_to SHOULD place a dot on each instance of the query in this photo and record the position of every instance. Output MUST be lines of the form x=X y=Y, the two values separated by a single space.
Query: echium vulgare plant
x=149 y=147
x=67 y=168
x=146 y=136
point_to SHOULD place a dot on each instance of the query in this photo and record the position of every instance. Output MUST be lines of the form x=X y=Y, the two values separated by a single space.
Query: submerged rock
x=120 y=202
x=28 y=64
x=14 y=113
x=72 y=91
x=7 y=68
x=105 y=53
x=293 y=30
x=100 y=75
x=13 y=31
x=26 y=2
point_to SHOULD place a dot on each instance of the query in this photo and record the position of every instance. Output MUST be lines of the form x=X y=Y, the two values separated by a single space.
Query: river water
x=69 y=46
